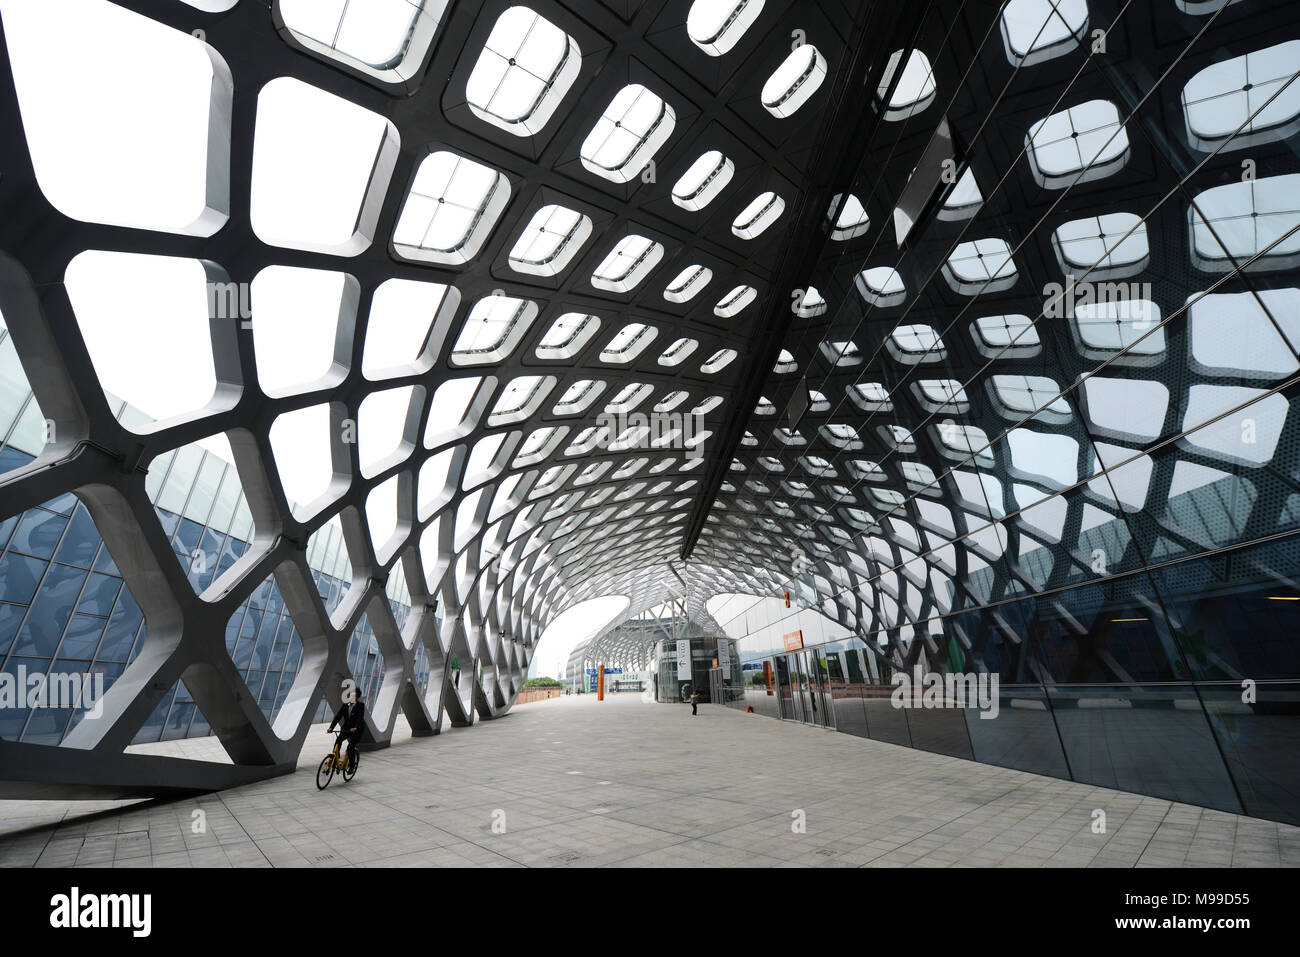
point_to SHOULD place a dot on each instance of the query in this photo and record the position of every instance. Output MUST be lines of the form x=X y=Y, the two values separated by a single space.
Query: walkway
x=630 y=784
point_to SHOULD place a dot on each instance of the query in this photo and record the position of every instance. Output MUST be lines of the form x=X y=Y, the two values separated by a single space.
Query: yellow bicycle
x=347 y=766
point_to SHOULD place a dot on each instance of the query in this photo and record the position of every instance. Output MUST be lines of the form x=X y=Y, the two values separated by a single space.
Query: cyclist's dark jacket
x=345 y=720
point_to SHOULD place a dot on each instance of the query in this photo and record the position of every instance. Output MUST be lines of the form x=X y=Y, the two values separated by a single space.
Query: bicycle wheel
x=325 y=772
x=350 y=766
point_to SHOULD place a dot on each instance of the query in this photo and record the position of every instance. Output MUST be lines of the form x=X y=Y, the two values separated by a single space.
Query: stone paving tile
x=621 y=783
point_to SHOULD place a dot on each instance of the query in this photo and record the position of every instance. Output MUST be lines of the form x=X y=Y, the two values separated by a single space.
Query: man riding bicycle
x=349 y=721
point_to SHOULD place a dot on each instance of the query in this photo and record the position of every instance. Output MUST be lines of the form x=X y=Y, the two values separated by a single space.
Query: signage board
x=684 y=659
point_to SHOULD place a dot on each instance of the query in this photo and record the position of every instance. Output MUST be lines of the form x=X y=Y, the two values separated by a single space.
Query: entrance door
x=799 y=681
x=844 y=690
x=819 y=691
x=785 y=687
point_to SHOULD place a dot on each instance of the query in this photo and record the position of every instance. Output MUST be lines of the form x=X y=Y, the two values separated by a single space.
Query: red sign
x=794 y=641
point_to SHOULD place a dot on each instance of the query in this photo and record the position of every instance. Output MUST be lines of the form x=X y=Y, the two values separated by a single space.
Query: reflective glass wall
x=673 y=685
x=64 y=609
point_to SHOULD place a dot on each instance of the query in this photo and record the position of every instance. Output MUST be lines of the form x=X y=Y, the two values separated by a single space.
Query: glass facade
x=1198 y=742
x=64 y=608
x=672 y=685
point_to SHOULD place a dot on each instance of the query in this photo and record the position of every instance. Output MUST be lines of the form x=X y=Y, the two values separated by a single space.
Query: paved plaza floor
x=627 y=783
